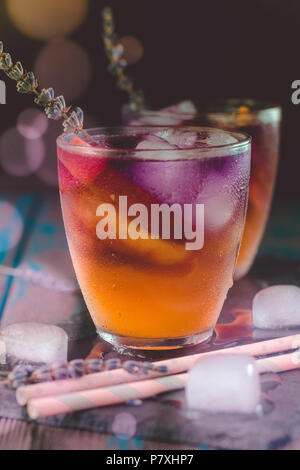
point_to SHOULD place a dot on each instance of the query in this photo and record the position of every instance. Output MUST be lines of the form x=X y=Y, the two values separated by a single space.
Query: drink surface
x=260 y=121
x=152 y=286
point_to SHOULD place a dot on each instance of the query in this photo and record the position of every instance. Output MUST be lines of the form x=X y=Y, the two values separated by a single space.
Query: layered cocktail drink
x=154 y=220
x=262 y=122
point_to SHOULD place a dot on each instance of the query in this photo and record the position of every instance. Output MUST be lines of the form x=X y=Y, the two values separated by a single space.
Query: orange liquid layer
x=264 y=161
x=146 y=288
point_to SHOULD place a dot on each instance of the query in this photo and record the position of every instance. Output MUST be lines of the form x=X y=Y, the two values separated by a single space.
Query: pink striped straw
x=111 y=395
x=175 y=366
x=86 y=399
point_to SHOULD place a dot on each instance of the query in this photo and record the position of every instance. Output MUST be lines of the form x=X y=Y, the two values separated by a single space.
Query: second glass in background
x=262 y=122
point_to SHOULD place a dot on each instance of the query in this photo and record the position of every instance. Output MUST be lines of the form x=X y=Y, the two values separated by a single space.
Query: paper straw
x=281 y=363
x=175 y=366
x=87 y=382
x=85 y=399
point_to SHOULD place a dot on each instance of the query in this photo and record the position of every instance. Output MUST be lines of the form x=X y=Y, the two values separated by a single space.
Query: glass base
x=127 y=343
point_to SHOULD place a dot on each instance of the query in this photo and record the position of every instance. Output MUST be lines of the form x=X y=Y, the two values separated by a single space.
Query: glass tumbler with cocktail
x=154 y=219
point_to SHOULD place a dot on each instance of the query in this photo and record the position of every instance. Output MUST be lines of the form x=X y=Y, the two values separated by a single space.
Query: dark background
x=193 y=48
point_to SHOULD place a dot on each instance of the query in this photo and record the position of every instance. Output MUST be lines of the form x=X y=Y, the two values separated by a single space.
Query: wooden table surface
x=32 y=236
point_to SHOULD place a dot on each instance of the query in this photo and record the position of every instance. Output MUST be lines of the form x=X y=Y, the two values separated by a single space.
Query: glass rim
x=244 y=140
x=256 y=108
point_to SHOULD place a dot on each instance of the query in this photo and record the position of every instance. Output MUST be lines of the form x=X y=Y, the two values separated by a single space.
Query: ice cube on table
x=32 y=342
x=224 y=383
x=276 y=307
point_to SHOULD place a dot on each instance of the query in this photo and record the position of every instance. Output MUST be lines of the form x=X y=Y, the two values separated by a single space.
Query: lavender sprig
x=135 y=367
x=24 y=374
x=54 y=107
x=114 y=51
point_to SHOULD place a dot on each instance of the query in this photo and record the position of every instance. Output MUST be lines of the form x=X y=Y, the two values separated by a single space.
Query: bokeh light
x=32 y=123
x=124 y=425
x=20 y=156
x=45 y=19
x=133 y=49
x=48 y=170
x=64 y=66
x=11 y=226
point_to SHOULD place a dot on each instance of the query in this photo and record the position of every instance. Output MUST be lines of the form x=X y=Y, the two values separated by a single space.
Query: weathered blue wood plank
x=17 y=213
x=45 y=251
x=282 y=234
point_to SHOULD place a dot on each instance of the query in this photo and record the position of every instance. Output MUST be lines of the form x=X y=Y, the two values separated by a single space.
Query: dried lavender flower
x=19 y=375
x=76 y=368
x=135 y=367
x=27 y=374
x=5 y=62
x=114 y=51
x=59 y=370
x=44 y=97
x=27 y=84
x=117 y=52
x=135 y=402
x=162 y=369
x=113 y=363
x=16 y=72
x=42 y=374
x=54 y=107
x=74 y=121
x=93 y=365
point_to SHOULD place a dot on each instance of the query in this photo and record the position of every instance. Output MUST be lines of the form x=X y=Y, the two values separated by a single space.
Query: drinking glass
x=154 y=219
x=262 y=122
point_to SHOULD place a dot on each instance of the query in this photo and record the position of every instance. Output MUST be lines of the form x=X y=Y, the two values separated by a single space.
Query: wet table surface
x=32 y=236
